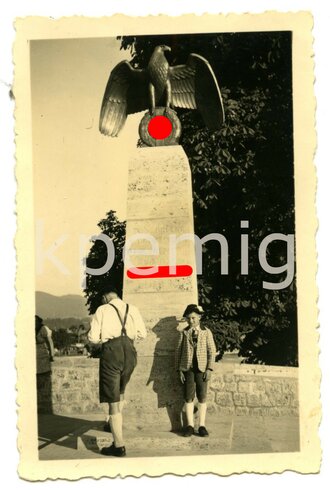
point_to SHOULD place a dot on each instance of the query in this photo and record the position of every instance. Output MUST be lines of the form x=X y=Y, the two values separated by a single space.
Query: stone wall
x=254 y=390
x=234 y=389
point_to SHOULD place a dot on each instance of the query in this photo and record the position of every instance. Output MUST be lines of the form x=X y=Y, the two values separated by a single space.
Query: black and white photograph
x=168 y=200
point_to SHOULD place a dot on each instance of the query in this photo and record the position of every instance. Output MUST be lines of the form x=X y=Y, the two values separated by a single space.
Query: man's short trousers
x=117 y=362
x=194 y=383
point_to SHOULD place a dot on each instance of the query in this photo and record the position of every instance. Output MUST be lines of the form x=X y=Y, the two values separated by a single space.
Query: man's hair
x=109 y=289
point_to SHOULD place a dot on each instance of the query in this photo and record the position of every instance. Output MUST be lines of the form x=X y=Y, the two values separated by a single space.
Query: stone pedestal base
x=159 y=205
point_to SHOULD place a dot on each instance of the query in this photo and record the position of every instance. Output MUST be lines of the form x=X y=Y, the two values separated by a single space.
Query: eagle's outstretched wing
x=125 y=93
x=194 y=86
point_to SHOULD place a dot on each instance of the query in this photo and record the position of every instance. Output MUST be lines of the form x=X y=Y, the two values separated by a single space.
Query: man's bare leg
x=121 y=405
x=122 y=402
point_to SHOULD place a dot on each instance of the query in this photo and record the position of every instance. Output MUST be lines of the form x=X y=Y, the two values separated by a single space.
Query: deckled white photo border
x=307 y=460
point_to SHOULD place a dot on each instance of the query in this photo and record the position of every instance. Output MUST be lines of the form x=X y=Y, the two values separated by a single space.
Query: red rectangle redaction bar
x=163 y=271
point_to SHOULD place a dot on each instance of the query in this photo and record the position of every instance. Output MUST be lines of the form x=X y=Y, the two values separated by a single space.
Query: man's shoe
x=114 y=451
x=189 y=431
x=202 y=431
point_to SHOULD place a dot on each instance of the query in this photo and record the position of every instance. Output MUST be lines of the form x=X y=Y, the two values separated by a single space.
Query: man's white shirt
x=106 y=325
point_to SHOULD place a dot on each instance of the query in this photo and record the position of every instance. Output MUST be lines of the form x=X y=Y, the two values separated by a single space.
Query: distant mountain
x=68 y=324
x=68 y=306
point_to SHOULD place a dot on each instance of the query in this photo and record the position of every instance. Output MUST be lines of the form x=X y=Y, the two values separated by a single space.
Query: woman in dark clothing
x=44 y=345
x=45 y=355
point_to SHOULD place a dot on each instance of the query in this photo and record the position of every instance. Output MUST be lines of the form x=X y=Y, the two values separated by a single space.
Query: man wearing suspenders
x=116 y=325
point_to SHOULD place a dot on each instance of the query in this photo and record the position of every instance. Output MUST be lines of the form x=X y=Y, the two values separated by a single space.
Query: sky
x=79 y=174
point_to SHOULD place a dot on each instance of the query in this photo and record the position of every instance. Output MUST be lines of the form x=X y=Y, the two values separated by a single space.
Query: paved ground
x=63 y=437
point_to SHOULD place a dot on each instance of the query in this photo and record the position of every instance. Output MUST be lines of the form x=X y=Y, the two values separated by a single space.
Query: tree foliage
x=242 y=172
x=115 y=229
x=63 y=339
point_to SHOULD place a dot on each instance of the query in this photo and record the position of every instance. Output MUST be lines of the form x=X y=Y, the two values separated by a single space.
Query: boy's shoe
x=189 y=431
x=114 y=451
x=202 y=431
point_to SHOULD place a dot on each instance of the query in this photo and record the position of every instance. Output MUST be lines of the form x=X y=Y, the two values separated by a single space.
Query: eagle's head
x=162 y=48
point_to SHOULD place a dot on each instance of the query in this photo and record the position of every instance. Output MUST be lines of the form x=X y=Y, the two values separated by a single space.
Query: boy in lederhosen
x=195 y=356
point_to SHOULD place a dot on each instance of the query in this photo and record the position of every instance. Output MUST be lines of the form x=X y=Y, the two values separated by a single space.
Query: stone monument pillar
x=159 y=204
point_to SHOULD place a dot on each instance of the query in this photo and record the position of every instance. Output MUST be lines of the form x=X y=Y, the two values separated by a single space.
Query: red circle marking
x=160 y=127
x=162 y=271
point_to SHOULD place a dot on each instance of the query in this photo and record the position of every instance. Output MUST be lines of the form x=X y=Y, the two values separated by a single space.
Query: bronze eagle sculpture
x=190 y=86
